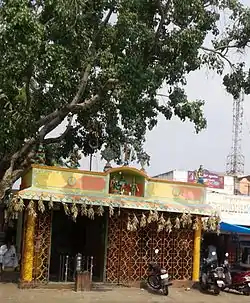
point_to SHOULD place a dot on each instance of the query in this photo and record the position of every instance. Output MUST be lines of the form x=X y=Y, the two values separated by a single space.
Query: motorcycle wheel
x=203 y=286
x=246 y=291
x=216 y=290
x=165 y=290
x=154 y=282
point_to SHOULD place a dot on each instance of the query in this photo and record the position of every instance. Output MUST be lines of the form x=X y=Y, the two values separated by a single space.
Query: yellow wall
x=68 y=180
x=176 y=191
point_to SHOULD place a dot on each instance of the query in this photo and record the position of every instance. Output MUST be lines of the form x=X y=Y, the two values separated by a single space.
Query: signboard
x=229 y=203
x=212 y=180
x=232 y=209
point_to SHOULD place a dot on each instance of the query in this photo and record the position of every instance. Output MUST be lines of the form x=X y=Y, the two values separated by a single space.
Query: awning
x=234 y=228
x=131 y=202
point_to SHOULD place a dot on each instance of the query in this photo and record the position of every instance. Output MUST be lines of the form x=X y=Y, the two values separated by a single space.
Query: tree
x=98 y=64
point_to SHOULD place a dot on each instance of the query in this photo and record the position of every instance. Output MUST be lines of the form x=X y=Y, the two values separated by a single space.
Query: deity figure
x=118 y=186
x=122 y=184
x=134 y=188
x=199 y=175
x=114 y=186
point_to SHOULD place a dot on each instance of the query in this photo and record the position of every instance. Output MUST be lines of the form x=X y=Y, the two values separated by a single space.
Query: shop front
x=115 y=220
x=234 y=212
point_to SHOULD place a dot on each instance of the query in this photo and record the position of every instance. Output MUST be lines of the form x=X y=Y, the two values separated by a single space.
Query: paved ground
x=10 y=293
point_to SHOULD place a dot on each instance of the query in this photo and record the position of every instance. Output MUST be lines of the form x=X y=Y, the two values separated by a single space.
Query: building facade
x=117 y=218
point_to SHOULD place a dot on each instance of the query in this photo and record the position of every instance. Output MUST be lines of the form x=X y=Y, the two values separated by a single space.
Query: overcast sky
x=174 y=144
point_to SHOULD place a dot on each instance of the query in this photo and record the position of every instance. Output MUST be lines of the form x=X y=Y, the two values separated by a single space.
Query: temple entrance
x=69 y=238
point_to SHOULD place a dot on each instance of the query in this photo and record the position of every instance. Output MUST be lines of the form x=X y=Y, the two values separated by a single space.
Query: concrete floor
x=10 y=293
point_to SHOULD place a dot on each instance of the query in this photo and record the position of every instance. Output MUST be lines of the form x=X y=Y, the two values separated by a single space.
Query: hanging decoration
x=177 y=223
x=186 y=220
x=189 y=219
x=84 y=210
x=100 y=211
x=74 y=211
x=111 y=211
x=183 y=220
x=218 y=229
x=204 y=224
x=31 y=209
x=143 y=221
x=91 y=213
x=150 y=217
x=169 y=225
x=17 y=204
x=129 y=224
x=196 y=224
x=51 y=204
x=155 y=216
x=134 y=223
x=41 y=206
x=217 y=222
x=212 y=223
x=161 y=223
x=66 y=208
x=87 y=208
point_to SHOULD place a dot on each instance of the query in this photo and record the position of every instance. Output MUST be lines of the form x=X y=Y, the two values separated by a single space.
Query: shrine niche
x=126 y=182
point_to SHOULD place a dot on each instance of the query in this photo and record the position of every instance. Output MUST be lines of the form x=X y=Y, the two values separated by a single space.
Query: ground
x=10 y=293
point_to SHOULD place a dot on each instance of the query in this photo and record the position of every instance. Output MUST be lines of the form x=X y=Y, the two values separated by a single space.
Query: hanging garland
x=135 y=222
x=41 y=206
x=100 y=211
x=86 y=208
x=51 y=204
x=74 y=211
x=169 y=225
x=91 y=213
x=196 y=224
x=143 y=222
x=161 y=223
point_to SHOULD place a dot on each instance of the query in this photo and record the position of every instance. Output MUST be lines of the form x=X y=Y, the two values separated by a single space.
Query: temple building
x=114 y=219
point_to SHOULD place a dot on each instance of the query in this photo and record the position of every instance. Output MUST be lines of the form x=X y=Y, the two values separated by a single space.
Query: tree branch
x=162 y=11
x=109 y=85
x=62 y=136
x=82 y=86
x=217 y=52
x=56 y=117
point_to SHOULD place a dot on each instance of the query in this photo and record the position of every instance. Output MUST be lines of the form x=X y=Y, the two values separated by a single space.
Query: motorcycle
x=158 y=277
x=212 y=275
x=237 y=277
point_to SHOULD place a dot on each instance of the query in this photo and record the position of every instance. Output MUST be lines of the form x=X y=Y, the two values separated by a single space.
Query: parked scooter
x=158 y=277
x=212 y=275
x=237 y=277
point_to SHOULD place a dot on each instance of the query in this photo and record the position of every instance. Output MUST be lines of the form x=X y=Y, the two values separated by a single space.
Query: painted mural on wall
x=210 y=179
x=48 y=178
x=180 y=193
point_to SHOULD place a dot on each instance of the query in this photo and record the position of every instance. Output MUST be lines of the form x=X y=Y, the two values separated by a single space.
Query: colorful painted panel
x=61 y=179
x=178 y=192
x=86 y=183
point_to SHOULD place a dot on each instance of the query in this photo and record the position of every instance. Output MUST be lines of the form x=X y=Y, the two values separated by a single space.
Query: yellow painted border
x=117 y=169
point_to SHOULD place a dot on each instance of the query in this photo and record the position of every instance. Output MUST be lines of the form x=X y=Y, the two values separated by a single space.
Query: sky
x=175 y=145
